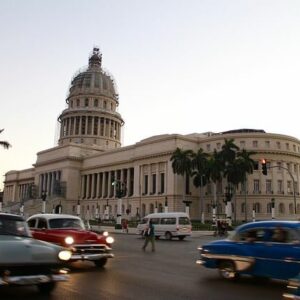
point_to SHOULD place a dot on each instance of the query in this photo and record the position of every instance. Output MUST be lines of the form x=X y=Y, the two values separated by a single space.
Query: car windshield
x=66 y=223
x=12 y=226
x=184 y=221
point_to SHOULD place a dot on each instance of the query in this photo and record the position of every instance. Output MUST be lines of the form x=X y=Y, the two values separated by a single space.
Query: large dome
x=93 y=79
x=92 y=116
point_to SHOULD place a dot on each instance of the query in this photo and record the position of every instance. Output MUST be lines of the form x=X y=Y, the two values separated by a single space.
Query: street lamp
x=166 y=204
x=228 y=207
x=78 y=207
x=273 y=208
x=44 y=196
x=120 y=192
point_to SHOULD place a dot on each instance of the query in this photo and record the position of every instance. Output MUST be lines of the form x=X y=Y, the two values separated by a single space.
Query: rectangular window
x=279 y=186
x=268 y=186
x=255 y=144
x=278 y=145
x=242 y=144
x=145 y=185
x=256 y=186
x=267 y=144
x=153 y=183
x=162 y=183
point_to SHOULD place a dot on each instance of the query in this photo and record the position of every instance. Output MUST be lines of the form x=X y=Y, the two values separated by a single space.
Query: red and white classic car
x=69 y=231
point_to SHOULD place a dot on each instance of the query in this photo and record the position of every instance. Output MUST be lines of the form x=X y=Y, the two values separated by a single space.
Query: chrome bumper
x=85 y=256
x=287 y=296
x=199 y=262
x=32 y=279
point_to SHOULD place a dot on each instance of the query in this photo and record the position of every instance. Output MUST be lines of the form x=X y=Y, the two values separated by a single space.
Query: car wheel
x=181 y=238
x=227 y=270
x=46 y=288
x=168 y=235
x=100 y=262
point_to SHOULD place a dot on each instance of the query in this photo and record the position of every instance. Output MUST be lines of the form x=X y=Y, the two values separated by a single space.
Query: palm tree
x=182 y=165
x=4 y=144
x=247 y=164
x=215 y=169
x=228 y=152
x=200 y=178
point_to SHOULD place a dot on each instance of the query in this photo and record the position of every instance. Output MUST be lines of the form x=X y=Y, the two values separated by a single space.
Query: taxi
x=268 y=249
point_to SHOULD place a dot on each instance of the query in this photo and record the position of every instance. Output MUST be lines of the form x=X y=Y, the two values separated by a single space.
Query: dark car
x=269 y=249
x=26 y=261
x=69 y=231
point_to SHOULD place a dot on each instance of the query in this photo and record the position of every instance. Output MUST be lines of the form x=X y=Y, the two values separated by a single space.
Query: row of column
x=47 y=182
x=90 y=125
x=100 y=185
x=153 y=179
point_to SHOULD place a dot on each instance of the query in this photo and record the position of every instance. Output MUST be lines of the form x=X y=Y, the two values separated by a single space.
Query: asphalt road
x=168 y=273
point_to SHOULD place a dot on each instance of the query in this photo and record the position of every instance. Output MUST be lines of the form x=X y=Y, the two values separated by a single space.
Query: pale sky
x=181 y=66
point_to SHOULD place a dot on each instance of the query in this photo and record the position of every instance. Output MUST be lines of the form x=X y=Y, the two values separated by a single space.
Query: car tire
x=46 y=288
x=100 y=263
x=227 y=270
x=168 y=236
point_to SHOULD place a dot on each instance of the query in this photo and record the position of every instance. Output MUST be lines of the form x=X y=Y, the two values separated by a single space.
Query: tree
x=182 y=165
x=200 y=178
x=4 y=144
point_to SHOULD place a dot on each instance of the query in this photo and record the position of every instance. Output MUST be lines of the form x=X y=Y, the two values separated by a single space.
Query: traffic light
x=264 y=167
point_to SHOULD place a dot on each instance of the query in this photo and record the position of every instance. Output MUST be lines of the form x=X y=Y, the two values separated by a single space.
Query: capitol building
x=77 y=176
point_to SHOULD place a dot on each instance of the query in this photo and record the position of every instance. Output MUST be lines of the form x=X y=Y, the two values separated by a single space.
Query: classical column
x=93 y=186
x=82 y=195
x=103 y=184
x=88 y=191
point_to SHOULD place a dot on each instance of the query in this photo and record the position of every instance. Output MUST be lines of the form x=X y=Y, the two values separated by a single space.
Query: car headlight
x=64 y=255
x=105 y=233
x=69 y=240
x=109 y=240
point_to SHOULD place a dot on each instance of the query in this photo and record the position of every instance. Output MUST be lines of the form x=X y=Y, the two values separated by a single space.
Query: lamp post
x=106 y=212
x=155 y=209
x=273 y=208
x=214 y=218
x=44 y=197
x=166 y=204
x=120 y=192
x=253 y=212
x=78 y=207
x=228 y=206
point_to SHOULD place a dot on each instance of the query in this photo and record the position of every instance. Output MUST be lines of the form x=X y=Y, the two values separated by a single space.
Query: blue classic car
x=26 y=261
x=268 y=249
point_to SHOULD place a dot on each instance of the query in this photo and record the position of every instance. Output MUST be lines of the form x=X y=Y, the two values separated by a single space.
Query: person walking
x=149 y=235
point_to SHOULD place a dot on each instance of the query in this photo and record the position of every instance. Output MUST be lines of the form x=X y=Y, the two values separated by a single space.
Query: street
x=168 y=273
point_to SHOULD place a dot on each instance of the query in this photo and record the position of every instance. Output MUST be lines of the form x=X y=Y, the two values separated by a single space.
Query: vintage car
x=266 y=249
x=26 y=261
x=69 y=231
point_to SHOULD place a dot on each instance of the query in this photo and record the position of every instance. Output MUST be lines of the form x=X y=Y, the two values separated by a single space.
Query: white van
x=168 y=225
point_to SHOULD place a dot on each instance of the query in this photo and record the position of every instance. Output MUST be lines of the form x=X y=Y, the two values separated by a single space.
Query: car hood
x=22 y=250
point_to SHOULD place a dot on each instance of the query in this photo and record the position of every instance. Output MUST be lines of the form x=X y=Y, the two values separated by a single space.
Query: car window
x=284 y=235
x=31 y=223
x=155 y=220
x=66 y=223
x=168 y=221
x=184 y=221
x=42 y=224
x=13 y=227
x=253 y=235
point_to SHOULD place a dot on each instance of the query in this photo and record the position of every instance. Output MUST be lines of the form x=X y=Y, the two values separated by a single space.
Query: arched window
x=86 y=102
x=151 y=208
x=269 y=208
x=78 y=102
x=143 y=210
x=291 y=208
x=257 y=207
x=281 y=208
x=160 y=208
x=104 y=104
x=243 y=208
x=96 y=102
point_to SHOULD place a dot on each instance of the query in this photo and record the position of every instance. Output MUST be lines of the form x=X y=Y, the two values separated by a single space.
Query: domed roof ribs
x=95 y=59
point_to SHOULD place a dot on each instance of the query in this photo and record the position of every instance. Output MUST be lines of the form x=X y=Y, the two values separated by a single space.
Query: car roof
x=167 y=214
x=53 y=216
x=11 y=216
x=270 y=224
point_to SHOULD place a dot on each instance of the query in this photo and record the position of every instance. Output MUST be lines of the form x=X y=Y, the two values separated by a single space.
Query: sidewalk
x=112 y=229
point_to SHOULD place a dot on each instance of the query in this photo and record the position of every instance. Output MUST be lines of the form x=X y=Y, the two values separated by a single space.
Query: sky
x=180 y=66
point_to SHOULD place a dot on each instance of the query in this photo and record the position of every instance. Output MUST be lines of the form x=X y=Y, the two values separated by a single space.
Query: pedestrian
x=125 y=225
x=149 y=235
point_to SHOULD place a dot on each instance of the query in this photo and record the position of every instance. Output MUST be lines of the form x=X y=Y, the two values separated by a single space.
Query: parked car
x=293 y=289
x=26 y=261
x=69 y=231
x=268 y=249
x=168 y=225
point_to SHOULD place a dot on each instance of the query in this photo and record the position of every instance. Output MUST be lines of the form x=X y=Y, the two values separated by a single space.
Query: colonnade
x=47 y=182
x=91 y=125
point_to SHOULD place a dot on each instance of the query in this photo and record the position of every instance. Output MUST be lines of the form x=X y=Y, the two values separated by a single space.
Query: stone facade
x=81 y=170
